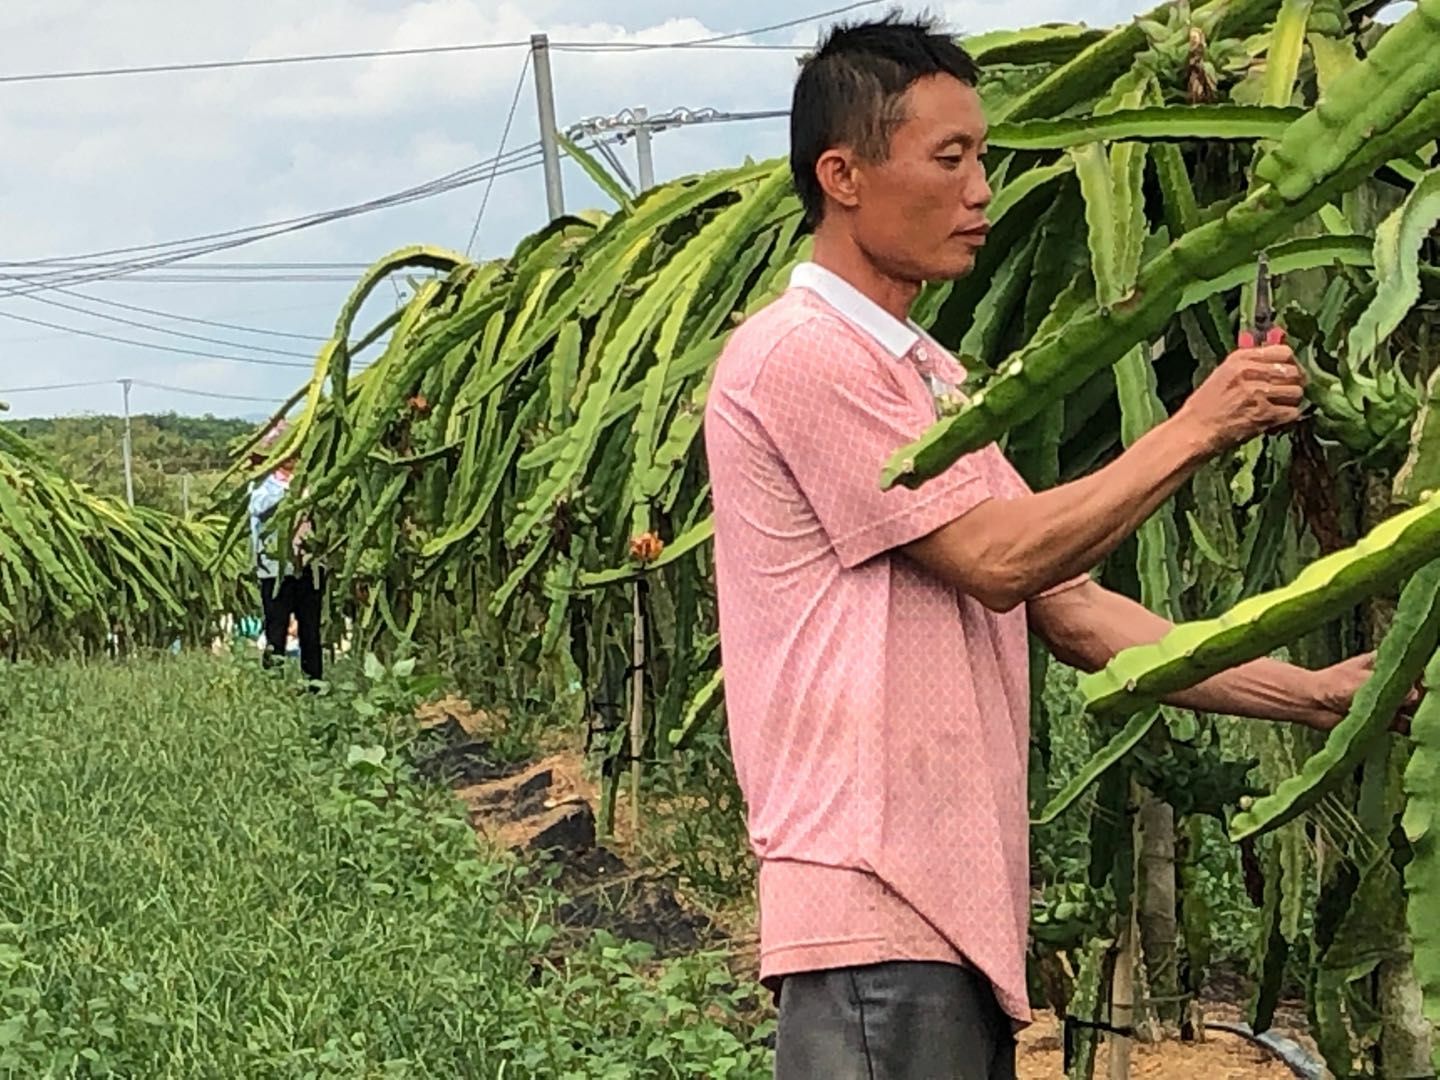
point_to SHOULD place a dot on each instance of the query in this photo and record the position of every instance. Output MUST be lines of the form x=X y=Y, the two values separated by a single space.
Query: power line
x=457 y=178
x=152 y=345
x=34 y=281
x=264 y=61
x=717 y=41
x=787 y=24
x=190 y=318
x=663 y=46
x=205 y=393
x=58 y=386
x=500 y=152
x=46 y=284
x=164 y=330
x=720 y=39
x=84 y=264
x=141 y=382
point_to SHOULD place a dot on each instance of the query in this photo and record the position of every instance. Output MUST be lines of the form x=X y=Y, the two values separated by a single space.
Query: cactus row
x=81 y=573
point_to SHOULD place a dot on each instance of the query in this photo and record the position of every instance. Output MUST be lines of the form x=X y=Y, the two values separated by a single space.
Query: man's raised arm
x=1003 y=552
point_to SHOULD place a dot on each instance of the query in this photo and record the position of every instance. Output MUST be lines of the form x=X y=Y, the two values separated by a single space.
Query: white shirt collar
x=896 y=337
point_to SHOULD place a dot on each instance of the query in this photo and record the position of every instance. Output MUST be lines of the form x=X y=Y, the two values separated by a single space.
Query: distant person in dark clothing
x=298 y=592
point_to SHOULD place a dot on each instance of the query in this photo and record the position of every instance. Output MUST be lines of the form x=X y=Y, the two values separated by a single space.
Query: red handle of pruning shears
x=1264 y=328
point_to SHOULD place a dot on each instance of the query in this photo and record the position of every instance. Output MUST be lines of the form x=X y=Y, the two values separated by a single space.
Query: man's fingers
x=1288 y=395
x=1276 y=374
x=1264 y=354
x=1275 y=354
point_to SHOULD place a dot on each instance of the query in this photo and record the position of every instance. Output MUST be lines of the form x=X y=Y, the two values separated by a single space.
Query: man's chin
x=952 y=268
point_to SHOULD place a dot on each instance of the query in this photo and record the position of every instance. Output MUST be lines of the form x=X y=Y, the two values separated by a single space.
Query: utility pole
x=643 y=154
x=549 y=145
x=129 y=476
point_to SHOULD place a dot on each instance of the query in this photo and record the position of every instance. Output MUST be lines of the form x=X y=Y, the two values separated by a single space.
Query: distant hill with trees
x=165 y=447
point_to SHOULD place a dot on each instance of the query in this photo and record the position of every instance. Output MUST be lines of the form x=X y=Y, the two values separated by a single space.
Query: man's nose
x=978 y=193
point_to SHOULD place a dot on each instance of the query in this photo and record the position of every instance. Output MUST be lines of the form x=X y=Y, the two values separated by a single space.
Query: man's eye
x=951 y=160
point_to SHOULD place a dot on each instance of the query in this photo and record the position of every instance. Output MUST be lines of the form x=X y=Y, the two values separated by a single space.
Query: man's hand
x=1337 y=685
x=1252 y=391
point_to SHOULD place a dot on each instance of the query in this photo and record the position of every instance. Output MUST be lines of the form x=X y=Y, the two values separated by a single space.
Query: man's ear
x=836 y=172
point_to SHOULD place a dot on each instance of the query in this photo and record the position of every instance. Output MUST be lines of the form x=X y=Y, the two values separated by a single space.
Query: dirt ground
x=1221 y=1057
x=549 y=804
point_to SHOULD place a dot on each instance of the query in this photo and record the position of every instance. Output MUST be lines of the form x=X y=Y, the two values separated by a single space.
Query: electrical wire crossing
x=500 y=152
x=57 y=386
x=40 y=274
x=271 y=350
x=718 y=41
x=27 y=278
x=193 y=319
x=153 y=346
x=217 y=394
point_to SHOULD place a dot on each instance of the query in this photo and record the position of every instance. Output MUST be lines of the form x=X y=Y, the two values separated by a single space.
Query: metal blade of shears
x=1264 y=309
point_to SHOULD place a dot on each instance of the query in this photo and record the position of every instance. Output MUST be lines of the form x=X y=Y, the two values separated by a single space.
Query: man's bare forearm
x=1086 y=626
x=1004 y=551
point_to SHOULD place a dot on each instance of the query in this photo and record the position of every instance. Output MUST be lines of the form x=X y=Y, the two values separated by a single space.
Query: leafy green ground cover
x=204 y=873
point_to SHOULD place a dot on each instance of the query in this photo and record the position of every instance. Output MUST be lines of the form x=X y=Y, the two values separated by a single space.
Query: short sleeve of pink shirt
x=836 y=410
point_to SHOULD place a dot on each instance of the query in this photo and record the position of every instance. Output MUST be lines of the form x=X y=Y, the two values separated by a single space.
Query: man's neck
x=838 y=254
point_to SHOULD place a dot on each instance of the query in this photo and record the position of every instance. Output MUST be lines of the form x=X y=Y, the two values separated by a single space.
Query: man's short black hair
x=849 y=91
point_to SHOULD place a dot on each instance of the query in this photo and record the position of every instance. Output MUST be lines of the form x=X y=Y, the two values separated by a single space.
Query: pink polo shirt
x=879 y=718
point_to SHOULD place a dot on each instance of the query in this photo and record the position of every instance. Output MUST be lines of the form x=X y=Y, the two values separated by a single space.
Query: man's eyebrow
x=962 y=138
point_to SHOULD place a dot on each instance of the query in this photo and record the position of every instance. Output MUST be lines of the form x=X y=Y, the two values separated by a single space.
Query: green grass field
x=206 y=874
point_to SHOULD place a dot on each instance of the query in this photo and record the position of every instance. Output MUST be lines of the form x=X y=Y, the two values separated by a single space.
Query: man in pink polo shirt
x=874 y=642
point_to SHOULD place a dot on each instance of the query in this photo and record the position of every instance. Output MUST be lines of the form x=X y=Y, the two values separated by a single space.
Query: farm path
x=551 y=804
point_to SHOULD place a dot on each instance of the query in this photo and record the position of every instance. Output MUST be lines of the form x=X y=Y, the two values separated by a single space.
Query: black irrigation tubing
x=1295 y=1057
x=1290 y=1053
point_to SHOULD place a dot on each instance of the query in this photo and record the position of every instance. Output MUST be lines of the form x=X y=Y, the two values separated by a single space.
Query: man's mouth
x=977 y=233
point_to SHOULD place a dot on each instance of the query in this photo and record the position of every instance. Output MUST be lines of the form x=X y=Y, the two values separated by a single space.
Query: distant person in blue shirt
x=297 y=593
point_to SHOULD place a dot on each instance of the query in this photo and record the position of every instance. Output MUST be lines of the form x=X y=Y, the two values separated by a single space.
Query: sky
x=94 y=164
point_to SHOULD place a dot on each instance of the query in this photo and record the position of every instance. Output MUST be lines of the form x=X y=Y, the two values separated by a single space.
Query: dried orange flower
x=646 y=547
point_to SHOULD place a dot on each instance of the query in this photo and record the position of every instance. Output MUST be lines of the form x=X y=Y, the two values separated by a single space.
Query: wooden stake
x=637 y=709
x=1123 y=985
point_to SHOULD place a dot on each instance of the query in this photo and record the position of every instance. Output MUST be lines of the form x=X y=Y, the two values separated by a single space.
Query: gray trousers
x=904 y=1020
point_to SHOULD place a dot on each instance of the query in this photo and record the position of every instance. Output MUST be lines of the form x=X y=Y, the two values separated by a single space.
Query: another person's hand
x=1251 y=392
x=300 y=542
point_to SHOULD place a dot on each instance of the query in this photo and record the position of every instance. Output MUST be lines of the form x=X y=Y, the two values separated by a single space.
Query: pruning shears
x=1263 y=328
